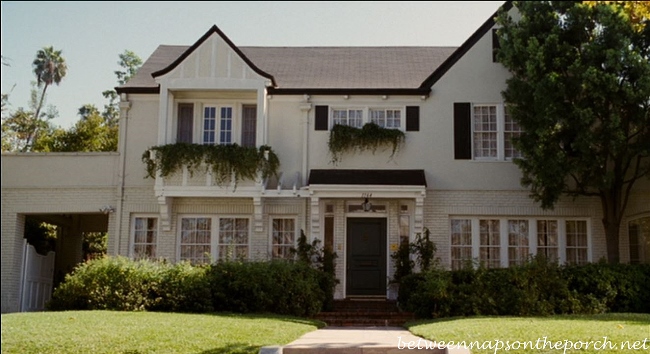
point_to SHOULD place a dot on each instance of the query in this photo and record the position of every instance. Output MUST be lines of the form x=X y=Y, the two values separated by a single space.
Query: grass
x=147 y=332
x=620 y=330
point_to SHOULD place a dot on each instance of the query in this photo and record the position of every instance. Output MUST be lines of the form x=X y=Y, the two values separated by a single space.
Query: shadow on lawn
x=238 y=348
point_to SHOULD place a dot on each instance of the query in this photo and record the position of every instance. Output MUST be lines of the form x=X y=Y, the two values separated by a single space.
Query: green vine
x=225 y=161
x=344 y=138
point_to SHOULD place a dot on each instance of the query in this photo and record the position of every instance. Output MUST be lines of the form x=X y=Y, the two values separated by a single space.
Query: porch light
x=366 y=205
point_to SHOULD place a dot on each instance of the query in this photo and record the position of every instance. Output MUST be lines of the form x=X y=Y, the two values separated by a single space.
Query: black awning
x=369 y=177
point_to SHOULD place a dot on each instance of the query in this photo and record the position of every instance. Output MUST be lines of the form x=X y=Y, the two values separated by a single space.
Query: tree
x=580 y=90
x=50 y=68
x=20 y=129
x=130 y=63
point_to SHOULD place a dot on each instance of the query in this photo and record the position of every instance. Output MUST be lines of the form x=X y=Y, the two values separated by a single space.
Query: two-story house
x=453 y=174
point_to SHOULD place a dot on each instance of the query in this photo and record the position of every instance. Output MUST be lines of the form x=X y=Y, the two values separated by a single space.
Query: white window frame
x=532 y=236
x=132 y=242
x=500 y=133
x=214 y=233
x=296 y=233
x=365 y=114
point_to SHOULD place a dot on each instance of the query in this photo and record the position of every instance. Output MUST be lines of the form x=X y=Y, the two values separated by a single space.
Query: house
x=453 y=174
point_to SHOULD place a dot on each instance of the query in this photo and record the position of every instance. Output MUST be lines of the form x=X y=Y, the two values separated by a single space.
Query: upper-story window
x=403 y=118
x=484 y=132
x=350 y=117
x=217 y=124
x=386 y=118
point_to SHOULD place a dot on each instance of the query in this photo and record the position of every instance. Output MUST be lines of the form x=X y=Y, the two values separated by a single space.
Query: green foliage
x=130 y=63
x=94 y=244
x=41 y=235
x=371 y=136
x=579 y=90
x=279 y=287
x=402 y=261
x=225 y=161
x=536 y=288
x=256 y=287
x=321 y=258
x=107 y=284
x=424 y=250
x=91 y=133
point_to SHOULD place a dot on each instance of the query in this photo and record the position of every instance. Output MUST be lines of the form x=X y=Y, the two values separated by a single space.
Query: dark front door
x=366 y=257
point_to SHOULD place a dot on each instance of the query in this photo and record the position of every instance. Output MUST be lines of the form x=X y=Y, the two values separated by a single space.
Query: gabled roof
x=325 y=70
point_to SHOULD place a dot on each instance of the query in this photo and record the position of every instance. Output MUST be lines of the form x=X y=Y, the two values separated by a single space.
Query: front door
x=366 y=257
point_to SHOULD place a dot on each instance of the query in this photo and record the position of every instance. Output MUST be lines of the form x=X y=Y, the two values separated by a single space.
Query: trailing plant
x=226 y=162
x=344 y=138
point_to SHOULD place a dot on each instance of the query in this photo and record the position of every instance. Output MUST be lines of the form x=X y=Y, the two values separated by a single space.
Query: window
x=284 y=237
x=511 y=130
x=205 y=238
x=517 y=241
x=639 y=240
x=547 y=239
x=461 y=243
x=196 y=236
x=225 y=120
x=503 y=241
x=484 y=132
x=386 y=118
x=145 y=234
x=576 y=242
x=225 y=135
x=350 y=117
x=490 y=249
x=209 y=125
x=233 y=238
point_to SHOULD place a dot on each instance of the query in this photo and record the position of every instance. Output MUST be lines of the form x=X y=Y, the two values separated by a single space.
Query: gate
x=38 y=275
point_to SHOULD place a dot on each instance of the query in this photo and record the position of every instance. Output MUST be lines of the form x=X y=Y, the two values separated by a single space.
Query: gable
x=214 y=59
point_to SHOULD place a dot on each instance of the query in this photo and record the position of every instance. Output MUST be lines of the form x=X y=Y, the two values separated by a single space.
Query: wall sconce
x=107 y=209
x=366 y=205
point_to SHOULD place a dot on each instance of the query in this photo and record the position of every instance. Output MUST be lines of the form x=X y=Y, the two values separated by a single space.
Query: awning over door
x=368 y=177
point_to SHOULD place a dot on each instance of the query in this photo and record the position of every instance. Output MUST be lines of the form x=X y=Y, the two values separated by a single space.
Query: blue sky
x=93 y=34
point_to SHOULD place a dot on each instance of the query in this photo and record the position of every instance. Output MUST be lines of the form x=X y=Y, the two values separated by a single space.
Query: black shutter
x=322 y=118
x=495 y=45
x=462 y=131
x=412 y=118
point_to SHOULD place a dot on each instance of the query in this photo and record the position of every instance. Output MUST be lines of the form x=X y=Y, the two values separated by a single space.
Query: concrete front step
x=346 y=319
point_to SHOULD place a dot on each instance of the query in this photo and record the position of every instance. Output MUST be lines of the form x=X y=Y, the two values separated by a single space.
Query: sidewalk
x=356 y=340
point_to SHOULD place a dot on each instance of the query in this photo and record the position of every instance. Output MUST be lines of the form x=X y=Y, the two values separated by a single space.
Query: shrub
x=182 y=287
x=291 y=288
x=536 y=288
x=109 y=283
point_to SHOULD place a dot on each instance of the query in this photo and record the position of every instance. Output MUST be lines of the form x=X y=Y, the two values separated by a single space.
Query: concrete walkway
x=358 y=340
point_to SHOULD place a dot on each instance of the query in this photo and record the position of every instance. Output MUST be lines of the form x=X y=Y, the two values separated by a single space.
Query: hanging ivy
x=225 y=161
x=344 y=138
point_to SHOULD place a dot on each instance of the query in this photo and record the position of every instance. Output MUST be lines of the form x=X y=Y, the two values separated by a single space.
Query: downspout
x=305 y=107
x=124 y=126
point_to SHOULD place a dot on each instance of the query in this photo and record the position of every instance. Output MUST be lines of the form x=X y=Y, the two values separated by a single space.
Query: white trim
x=365 y=115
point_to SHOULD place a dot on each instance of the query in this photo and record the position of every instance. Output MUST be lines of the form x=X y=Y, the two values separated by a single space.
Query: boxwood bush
x=535 y=288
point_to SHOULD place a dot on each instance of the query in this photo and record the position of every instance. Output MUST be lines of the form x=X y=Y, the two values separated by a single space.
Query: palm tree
x=49 y=68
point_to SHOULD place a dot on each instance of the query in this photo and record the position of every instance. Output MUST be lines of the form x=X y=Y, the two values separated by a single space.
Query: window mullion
x=476 y=238
x=214 y=238
x=561 y=240
x=503 y=242
x=532 y=237
x=500 y=132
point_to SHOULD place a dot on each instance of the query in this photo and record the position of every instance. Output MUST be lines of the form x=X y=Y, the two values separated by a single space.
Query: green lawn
x=146 y=332
x=493 y=333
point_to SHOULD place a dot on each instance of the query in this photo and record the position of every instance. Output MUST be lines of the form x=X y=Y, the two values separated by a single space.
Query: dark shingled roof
x=320 y=67
x=369 y=177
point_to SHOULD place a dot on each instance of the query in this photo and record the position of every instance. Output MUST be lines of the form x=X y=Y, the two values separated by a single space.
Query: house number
x=366 y=195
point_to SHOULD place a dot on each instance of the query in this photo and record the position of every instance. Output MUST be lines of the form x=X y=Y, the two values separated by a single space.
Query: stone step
x=347 y=319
